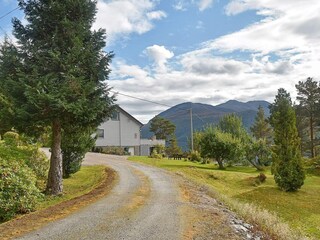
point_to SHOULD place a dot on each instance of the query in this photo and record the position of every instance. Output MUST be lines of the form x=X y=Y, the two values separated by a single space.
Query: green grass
x=78 y=184
x=301 y=209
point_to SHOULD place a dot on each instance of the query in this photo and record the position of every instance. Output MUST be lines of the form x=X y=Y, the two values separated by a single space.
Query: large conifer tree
x=286 y=166
x=60 y=73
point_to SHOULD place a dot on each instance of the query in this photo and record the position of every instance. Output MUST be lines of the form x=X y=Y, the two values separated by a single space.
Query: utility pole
x=191 y=128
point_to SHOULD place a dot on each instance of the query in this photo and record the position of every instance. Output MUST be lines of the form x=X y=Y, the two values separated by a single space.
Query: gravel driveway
x=144 y=204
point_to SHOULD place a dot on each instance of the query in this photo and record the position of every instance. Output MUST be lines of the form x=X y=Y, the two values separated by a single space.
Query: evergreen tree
x=173 y=149
x=287 y=165
x=76 y=142
x=162 y=128
x=261 y=128
x=59 y=72
x=309 y=98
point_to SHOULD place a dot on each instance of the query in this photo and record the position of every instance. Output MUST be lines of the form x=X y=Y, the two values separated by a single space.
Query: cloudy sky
x=207 y=51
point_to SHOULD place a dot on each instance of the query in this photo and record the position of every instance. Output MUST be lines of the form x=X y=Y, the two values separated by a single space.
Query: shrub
x=113 y=150
x=74 y=146
x=195 y=156
x=11 y=138
x=18 y=191
x=312 y=165
x=262 y=177
x=155 y=154
x=29 y=155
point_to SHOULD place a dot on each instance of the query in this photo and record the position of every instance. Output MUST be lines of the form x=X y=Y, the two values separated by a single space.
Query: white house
x=123 y=130
x=147 y=145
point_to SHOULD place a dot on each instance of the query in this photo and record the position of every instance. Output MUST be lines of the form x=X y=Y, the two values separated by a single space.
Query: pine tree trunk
x=54 y=185
x=311 y=137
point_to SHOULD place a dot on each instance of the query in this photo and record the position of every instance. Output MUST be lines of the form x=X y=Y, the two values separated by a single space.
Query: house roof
x=129 y=115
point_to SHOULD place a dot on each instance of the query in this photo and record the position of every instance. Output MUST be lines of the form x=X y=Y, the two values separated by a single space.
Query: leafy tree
x=309 y=98
x=287 y=165
x=257 y=153
x=221 y=146
x=232 y=124
x=162 y=128
x=197 y=135
x=55 y=74
x=261 y=128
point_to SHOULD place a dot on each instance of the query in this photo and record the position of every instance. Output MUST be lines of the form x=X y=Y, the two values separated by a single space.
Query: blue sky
x=207 y=51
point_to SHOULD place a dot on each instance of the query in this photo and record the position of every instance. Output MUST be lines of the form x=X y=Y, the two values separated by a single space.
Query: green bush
x=312 y=165
x=23 y=172
x=113 y=150
x=155 y=154
x=195 y=156
x=18 y=191
x=13 y=148
x=74 y=147
x=11 y=138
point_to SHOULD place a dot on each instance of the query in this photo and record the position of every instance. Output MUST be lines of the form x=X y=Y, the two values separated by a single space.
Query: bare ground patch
x=35 y=220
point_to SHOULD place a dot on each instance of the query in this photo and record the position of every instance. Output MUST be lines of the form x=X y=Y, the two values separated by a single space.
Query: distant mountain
x=204 y=114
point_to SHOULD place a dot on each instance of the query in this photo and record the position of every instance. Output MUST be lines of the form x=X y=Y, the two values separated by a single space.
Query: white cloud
x=180 y=5
x=160 y=55
x=156 y=15
x=205 y=4
x=283 y=27
x=122 y=17
x=212 y=65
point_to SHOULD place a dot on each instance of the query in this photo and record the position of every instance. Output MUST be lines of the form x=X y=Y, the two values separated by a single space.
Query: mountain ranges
x=205 y=114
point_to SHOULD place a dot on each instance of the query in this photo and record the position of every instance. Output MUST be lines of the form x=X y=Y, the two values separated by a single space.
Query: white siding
x=122 y=133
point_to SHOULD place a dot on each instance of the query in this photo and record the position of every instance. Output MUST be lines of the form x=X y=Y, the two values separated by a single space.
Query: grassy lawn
x=300 y=209
x=78 y=184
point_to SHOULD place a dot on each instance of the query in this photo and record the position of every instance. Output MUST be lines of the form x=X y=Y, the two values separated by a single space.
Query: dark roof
x=129 y=115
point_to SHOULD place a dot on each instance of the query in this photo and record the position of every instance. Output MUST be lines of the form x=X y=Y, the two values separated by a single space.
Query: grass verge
x=78 y=184
x=283 y=215
x=83 y=188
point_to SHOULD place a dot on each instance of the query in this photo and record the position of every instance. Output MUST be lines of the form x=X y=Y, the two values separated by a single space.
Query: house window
x=115 y=116
x=100 y=133
x=135 y=135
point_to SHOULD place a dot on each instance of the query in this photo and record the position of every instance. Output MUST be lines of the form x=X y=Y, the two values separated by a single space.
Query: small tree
x=287 y=165
x=232 y=124
x=197 y=135
x=173 y=149
x=220 y=146
x=76 y=142
x=257 y=153
x=261 y=128
x=162 y=128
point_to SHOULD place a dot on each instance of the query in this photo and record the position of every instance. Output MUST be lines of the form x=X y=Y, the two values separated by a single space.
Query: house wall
x=130 y=131
x=121 y=133
x=148 y=144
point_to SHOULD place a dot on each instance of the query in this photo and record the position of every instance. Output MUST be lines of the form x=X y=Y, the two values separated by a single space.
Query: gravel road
x=144 y=204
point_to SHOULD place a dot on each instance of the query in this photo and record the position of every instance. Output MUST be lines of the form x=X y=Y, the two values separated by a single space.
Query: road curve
x=144 y=204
